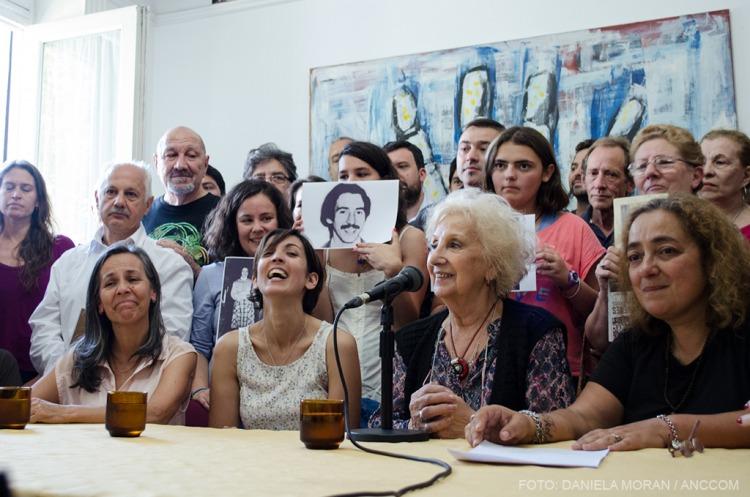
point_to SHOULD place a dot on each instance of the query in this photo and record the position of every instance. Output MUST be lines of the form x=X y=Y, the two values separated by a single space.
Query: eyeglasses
x=662 y=163
x=276 y=178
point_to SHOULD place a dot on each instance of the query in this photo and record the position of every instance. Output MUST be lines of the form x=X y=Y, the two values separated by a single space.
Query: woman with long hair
x=354 y=271
x=28 y=248
x=262 y=371
x=124 y=347
x=233 y=229
x=521 y=167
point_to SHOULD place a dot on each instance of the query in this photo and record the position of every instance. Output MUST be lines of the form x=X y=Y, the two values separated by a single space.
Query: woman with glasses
x=269 y=163
x=666 y=159
x=354 y=271
x=680 y=376
x=727 y=174
x=234 y=229
x=521 y=167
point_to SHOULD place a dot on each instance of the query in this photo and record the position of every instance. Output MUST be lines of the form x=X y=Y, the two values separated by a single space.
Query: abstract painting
x=585 y=84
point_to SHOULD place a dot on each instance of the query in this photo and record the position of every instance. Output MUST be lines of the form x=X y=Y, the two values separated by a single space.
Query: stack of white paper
x=490 y=452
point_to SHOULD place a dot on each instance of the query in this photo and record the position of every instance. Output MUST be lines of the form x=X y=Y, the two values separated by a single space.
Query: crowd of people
x=137 y=306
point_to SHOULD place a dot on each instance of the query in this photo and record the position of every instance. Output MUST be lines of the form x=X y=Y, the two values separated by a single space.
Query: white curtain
x=77 y=125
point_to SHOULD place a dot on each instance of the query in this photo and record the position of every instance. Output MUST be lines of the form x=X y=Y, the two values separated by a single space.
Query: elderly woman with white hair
x=485 y=348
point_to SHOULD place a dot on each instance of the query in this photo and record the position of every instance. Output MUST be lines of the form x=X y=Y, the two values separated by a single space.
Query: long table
x=83 y=460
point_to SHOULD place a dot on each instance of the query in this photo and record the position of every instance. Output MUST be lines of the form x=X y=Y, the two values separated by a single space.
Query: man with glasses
x=176 y=218
x=269 y=163
x=605 y=178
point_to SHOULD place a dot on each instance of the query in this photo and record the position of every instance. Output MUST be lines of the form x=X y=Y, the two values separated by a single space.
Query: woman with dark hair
x=124 y=348
x=262 y=371
x=233 y=229
x=28 y=248
x=680 y=376
x=521 y=167
x=454 y=182
x=295 y=198
x=354 y=271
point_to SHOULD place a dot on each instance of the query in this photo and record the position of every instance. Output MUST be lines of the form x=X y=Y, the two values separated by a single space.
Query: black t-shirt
x=181 y=223
x=634 y=370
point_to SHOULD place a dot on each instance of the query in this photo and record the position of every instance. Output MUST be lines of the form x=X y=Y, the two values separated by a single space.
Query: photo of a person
x=242 y=310
x=344 y=212
x=236 y=307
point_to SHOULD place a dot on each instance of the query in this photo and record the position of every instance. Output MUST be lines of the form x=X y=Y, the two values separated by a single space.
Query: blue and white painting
x=570 y=86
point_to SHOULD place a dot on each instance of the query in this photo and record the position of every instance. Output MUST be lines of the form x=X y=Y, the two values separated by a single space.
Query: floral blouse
x=548 y=387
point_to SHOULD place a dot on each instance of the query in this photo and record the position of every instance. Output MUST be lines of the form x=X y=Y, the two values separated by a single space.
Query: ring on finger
x=617 y=437
x=421 y=418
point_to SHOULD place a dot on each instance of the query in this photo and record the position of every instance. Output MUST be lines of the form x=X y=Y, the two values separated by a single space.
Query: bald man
x=176 y=218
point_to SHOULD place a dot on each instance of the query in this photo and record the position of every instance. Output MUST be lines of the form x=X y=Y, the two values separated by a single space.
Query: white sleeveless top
x=363 y=322
x=270 y=395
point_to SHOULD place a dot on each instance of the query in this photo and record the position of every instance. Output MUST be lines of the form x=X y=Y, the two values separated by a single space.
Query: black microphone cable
x=447 y=469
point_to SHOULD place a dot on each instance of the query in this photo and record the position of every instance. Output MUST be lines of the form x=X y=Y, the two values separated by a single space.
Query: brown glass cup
x=126 y=413
x=321 y=423
x=15 y=407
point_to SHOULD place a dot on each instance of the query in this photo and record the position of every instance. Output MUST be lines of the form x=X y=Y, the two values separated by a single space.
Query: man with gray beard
x=176 y=218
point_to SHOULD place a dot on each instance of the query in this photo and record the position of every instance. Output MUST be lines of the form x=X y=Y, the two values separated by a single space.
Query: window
x=76 y=106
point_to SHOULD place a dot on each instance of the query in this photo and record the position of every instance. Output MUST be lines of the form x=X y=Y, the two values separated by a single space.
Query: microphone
x=409 y=279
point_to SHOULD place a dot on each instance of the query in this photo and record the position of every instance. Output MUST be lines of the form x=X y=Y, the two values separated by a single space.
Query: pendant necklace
x=459 y=365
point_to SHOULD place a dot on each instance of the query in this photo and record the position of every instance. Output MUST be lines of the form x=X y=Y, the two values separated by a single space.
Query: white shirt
x=54 y=320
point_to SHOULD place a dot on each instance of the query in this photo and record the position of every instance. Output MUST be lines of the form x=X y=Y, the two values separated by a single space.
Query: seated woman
x=124 y=348
x=521 y=167
x=262 y=371
x=233 y=229
x=685 y=359
x=485 y=348
x=726 y=174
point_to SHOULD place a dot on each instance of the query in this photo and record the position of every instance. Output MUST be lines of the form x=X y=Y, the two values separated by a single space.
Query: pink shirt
x=745 y=230
x=144 y=378
x=578 y=245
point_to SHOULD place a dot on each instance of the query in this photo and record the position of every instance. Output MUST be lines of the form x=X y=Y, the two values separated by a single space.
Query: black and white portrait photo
x=237 y=308
x=342 y=214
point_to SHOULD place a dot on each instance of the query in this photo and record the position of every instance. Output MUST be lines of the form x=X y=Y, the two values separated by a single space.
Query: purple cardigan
x=17 y=304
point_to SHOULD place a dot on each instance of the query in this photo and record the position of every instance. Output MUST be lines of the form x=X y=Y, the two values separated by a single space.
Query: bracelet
x=578 y=289
x=684 y=447
x=675 y=442
x=197 y=391
x=541 y=427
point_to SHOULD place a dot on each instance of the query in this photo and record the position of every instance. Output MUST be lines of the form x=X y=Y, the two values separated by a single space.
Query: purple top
x=18 y=304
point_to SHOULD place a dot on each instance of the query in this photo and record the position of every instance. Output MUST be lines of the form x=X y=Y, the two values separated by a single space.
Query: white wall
x=239 y=72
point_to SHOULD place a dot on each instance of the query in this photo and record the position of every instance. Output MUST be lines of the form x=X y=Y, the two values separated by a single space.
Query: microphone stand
x=386 y=433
